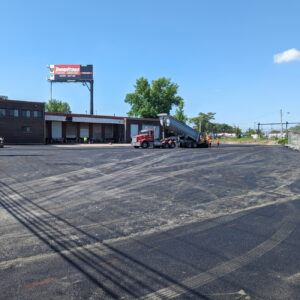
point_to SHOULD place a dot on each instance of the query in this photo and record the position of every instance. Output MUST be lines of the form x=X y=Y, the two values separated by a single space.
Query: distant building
x=23 y=122
x=276 y=135
x=75 y=127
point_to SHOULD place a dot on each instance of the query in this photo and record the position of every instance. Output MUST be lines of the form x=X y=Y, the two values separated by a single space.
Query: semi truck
x=182 y=135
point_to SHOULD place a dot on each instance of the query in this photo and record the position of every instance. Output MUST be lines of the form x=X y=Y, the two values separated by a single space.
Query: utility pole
x=281 y=127
x=200 y=126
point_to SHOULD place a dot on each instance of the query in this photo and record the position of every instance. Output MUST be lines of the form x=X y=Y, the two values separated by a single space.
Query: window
x=26 y=129
x=2 y=112
x=37 y=114
x=26 y=113
x=13 y=113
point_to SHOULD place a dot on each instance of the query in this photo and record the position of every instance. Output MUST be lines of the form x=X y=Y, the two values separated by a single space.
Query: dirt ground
x=248 y=142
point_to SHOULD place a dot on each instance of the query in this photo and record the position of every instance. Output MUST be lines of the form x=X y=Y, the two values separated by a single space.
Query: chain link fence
x=294 y=140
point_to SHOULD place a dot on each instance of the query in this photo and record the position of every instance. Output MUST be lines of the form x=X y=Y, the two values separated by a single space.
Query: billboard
x=71 y=73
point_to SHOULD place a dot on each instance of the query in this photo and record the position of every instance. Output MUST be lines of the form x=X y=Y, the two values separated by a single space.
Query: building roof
x=82 y=115
x=21 y=101
x=96 y=116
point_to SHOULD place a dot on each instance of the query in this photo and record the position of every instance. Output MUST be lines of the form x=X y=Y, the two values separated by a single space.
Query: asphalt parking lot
x=123 y=223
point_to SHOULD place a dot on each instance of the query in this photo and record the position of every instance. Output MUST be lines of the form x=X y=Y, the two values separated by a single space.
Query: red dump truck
x=185 y=136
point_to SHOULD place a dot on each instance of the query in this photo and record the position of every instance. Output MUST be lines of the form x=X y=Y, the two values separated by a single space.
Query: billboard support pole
x=92 y=97
x=50 y=90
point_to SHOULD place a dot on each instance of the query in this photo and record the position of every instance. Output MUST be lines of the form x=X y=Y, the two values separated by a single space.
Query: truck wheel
x=145 y=145
x=188 y=145
x=172 y=145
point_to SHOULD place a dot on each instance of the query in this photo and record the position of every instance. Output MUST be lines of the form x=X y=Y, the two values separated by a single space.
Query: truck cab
x=144 y=139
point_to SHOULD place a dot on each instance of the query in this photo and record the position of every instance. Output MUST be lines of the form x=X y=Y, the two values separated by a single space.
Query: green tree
x=249 y=132
x=179 y=113
x=58 y=106
x=219 y=128
x=237 y=131
x=203 y=121
x=295 y=128
x=148 y=101
x=259 y=133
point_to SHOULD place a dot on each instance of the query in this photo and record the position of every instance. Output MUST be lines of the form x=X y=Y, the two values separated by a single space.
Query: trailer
x=185 y=136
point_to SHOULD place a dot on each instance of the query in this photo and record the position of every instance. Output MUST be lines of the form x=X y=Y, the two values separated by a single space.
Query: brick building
x=22 y=122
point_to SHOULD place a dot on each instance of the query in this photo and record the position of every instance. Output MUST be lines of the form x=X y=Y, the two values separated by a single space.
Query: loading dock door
x=156 y=129
x=84 y=130
x=97 y=132
x=56 y=130
x=71 y=131
x=134 y=130
x=109 y=133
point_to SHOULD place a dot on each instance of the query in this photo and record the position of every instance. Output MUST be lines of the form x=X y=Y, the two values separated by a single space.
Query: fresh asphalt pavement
x=80 y=222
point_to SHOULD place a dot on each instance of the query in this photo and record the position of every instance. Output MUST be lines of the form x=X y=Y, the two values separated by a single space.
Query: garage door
x=134 y=130
x=156 y=129
x=84 y=130
x=109 y=134
x=56 y=130
x=97 y=132
x=71 y=131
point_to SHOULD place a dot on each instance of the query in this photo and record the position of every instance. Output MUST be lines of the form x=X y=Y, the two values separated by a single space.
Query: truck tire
x=172 y=145
x=145 y=145
x=188 y=145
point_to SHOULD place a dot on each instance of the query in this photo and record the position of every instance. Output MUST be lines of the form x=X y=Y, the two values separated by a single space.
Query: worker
x=218 y=142
x=208 y=140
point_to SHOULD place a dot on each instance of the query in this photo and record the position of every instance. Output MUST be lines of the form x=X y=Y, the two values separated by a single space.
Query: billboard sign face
x=71 y=73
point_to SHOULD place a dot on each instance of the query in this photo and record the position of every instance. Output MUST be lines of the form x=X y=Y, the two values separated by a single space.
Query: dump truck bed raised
x=178 y=127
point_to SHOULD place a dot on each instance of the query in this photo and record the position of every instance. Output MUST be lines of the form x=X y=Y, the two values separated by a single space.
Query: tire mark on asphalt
x=107 y=262
x=101 y=250
x=231 y=225
x=35 y=284
x=149 y=180
x=83 y=172
x=287 y=226
x=84 y=261
x=64 y=180
x=80 y=186
x=201 y=234
x=154 y=248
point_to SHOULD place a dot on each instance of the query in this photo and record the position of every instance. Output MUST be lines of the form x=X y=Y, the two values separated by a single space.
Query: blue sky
x=220 y=53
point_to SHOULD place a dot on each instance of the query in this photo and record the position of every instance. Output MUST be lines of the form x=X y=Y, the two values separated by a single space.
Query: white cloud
x=287 y=56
